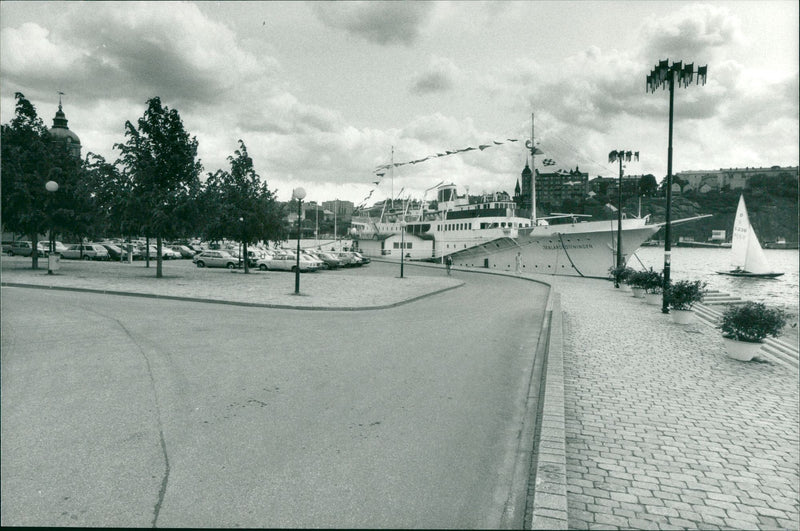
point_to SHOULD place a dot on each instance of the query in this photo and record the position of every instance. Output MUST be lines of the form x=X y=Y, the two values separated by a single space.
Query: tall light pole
x=663 y=75
x=620 y=155
x=52 y=187
x=402 y=245
x=298 y=193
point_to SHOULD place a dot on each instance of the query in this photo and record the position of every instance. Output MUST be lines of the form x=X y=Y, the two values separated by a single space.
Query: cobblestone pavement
x=663 y=430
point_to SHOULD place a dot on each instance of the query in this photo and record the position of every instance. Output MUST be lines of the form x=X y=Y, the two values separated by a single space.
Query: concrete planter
x=682 y=317
x=653 y=298
x=638 y=293
x=741 y=350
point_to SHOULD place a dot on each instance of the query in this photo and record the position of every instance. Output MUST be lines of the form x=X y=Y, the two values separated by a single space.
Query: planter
x=625 y=288
x=741 y=350
x=682 y=317
x=653 y=298
x=638 y=293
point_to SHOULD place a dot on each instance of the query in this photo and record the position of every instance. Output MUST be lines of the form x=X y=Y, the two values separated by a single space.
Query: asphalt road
x=120 y=411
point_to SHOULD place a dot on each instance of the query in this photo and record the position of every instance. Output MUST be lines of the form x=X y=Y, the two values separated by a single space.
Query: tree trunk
x=35 y=252
x=147 y=251
x=158 y=257
x=244 y=255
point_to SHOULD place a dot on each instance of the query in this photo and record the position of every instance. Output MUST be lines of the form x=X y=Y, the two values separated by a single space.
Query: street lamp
x=620 y=155
x=402 y=245
x=663 y=75
x=298 y=193
x=241 y=244
x=52 y=187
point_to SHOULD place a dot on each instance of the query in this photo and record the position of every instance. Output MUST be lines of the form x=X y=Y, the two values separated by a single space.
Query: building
x=342 y=210
x=607 y=187
x=553 y=188
x=704 y=181
x=61 y=136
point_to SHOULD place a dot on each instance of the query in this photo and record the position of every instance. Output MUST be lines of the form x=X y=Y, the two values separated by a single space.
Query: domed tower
x=61 y=136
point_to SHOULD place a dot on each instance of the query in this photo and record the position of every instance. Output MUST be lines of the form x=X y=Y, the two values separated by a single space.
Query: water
x=690 y=263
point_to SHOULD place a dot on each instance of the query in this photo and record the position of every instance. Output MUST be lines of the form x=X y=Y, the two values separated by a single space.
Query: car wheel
x=262 y=267
x=87 y=257
x=231 y=265
x=294 y=269
x=10 y=253
x=200 y=263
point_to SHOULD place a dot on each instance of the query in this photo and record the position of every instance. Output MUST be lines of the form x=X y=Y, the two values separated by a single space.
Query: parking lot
x=367 y=286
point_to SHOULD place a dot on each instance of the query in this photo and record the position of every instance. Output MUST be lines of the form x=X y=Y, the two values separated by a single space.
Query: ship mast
x=533 y=176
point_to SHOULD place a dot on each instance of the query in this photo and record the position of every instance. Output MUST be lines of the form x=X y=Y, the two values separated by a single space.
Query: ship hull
x=581 y=254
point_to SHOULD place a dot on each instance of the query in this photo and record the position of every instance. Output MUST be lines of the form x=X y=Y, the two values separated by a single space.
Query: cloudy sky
x=322 y=92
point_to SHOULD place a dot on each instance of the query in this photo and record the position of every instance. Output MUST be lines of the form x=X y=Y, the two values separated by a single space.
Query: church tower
x=61 y=136
x=527 y=189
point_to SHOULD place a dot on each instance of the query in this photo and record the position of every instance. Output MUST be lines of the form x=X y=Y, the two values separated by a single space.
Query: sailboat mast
x=392 y=175
x=533 y=175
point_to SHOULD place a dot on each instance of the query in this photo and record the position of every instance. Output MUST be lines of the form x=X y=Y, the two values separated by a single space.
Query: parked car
x=348 y=259
x=21 y=248
x=288 y=262
x=89 y=251
x=168 y=253
x=364 y=259
x=44 y=248
x=215 y=259
x=330 y=261
x=184 y=251
x=152 y=251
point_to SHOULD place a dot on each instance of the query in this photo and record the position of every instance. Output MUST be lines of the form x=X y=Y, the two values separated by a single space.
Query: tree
x=162 y=175
x=26 y=166
x=239 y=206
x=648 y=185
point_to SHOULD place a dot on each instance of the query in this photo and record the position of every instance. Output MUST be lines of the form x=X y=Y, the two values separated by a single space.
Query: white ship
x=488 y=232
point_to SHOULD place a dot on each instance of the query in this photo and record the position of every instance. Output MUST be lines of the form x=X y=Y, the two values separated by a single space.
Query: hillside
x=774 y=214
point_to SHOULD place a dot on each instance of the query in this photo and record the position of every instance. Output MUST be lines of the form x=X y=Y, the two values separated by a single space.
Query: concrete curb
x=550 y=488
x=231 y=303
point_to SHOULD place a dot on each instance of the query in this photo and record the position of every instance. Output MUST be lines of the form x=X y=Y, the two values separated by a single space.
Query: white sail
x=741 y=231
x=746 y=252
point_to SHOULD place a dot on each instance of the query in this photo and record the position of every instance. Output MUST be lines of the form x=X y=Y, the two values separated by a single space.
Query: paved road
x=136 y=412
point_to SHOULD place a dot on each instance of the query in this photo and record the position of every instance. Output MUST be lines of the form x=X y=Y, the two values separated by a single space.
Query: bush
x=685 y=293
x=653 y=281
x=623 y=271
x=752 y=322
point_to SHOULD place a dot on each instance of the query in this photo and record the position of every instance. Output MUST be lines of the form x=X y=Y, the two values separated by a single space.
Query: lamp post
x=242 y=246
x=402 y=245
x=620 y=155
x=663 y=75
x=298 y=193
x=52 y=187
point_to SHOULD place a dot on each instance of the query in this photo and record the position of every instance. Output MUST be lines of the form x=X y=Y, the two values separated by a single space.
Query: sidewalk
x=663 y=430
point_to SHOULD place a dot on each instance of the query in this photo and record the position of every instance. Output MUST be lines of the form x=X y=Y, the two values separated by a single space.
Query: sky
x=323 y=93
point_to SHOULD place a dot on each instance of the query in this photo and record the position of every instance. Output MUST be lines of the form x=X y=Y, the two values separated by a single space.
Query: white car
x=288 y=262
x=216 y=259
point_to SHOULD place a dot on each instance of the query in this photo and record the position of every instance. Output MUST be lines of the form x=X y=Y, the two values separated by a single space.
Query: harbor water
x=690 y=263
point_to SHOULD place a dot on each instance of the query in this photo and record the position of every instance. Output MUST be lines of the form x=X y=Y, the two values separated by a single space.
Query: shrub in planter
x=751 y=322
x=653 y=281
x=621 y=272
x=685 y=293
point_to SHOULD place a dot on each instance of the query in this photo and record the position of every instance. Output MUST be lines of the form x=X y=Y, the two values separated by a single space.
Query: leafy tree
x=26 y=166
x=648 y=185
x=162 y=175
x=239 y=206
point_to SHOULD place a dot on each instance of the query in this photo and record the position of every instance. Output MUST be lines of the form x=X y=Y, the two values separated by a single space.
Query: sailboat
x=747 y=257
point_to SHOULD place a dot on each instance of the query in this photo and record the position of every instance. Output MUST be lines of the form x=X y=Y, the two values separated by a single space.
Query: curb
x=230 y=303
x=550 y=479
